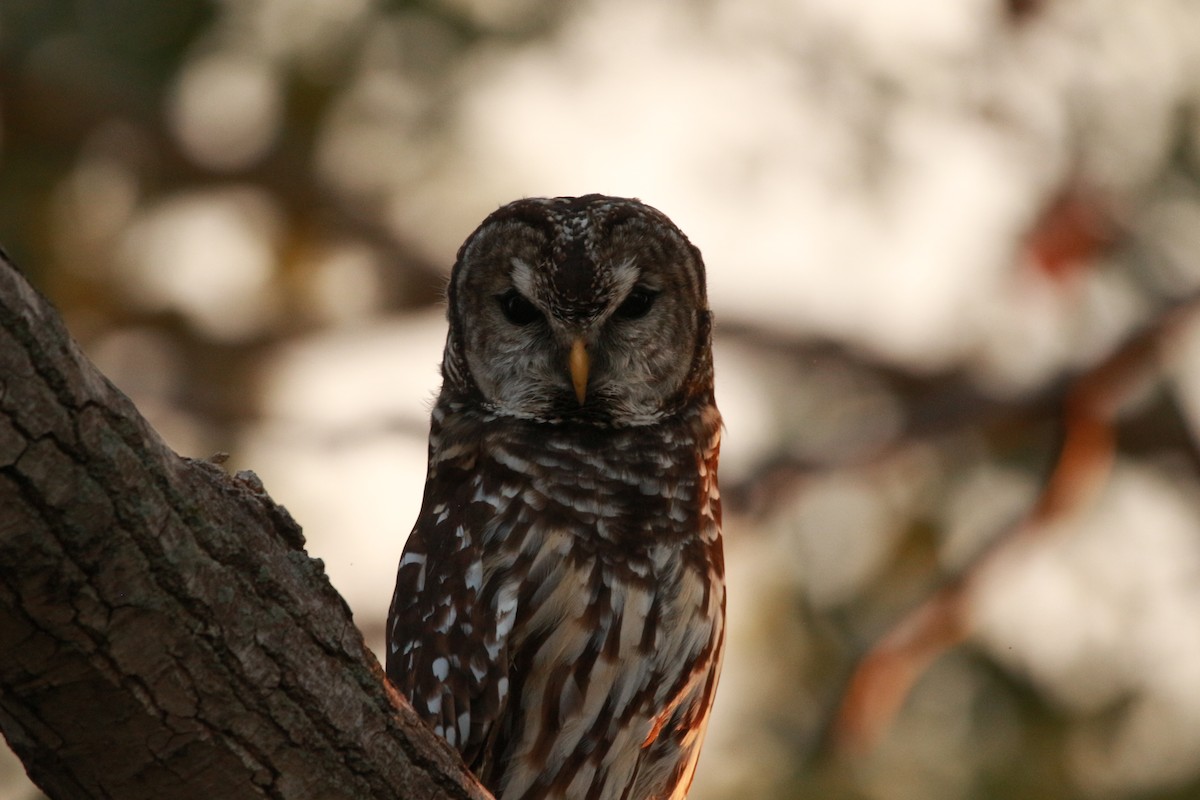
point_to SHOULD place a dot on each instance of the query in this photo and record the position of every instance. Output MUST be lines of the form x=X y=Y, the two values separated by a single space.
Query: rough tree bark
x=162 y=631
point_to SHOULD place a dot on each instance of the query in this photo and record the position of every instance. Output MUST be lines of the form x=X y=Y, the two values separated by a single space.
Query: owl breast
x=600 y=591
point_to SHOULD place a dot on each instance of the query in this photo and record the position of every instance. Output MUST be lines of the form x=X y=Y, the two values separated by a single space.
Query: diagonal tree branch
x=162 y=631
x=887 y=672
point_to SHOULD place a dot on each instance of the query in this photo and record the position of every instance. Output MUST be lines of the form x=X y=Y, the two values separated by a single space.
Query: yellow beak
x=579 y=369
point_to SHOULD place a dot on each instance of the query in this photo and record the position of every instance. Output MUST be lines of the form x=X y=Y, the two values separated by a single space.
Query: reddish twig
x=886 y=674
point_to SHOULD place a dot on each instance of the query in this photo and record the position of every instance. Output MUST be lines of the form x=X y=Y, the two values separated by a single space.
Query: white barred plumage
x=559 y=605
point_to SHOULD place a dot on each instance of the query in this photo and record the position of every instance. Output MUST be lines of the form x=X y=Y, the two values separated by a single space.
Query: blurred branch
x=933 y=405
x=47 y=115
x=1075 y=228
x=886 y=674
x=162 y=631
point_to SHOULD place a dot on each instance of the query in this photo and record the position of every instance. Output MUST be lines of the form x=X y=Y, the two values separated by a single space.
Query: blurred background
x=954 y=254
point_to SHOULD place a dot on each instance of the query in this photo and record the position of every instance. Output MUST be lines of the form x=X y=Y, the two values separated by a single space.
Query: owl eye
x=517 y=309
x=637 y=304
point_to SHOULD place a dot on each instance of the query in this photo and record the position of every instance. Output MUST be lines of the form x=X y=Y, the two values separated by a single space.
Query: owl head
x=578 y=308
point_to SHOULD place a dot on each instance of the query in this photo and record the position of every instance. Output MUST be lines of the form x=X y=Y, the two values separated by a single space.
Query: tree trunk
x=163 y=633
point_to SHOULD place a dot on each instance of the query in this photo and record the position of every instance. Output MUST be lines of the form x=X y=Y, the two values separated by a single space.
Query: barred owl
x=559 y=606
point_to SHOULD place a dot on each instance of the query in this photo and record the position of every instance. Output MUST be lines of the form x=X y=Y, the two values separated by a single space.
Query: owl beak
x=579 y=369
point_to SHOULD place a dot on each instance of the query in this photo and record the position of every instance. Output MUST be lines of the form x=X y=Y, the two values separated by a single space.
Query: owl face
x=590 y=308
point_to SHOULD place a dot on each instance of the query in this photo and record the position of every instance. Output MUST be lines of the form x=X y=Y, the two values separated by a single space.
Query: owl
x=559 y=606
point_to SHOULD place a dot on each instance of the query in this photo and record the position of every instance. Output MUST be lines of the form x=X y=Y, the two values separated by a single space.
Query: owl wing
x=612 y=702
x=672 y=749
x=447 y=648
